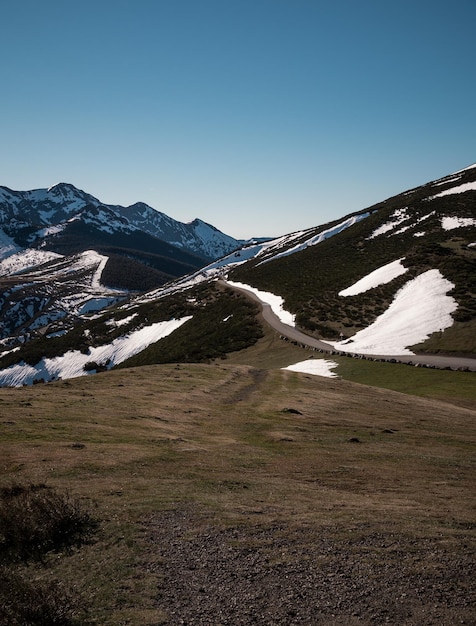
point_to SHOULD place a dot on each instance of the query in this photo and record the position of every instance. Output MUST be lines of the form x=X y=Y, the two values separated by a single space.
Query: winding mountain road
x=292 y=333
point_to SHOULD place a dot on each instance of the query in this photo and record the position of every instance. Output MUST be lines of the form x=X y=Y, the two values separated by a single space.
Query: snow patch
x=420 y=308
x=7 y=245
x=24 y=260
x=450 y=223
x=398 y=217
x=51 y=230
x=317 y=367
x=58 y=333
x=330 y=232
x=123 y=321
x=95 y=304
x=454 y=179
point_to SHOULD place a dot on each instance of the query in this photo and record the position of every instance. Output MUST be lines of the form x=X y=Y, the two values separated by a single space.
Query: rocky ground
x=274 y=574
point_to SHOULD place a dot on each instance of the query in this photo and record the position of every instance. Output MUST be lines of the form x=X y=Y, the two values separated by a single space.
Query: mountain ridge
x=428 y=234
x=144 y=249
x=30 y=210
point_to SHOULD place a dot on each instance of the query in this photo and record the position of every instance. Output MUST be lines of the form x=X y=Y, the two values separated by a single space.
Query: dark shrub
x=35 y=519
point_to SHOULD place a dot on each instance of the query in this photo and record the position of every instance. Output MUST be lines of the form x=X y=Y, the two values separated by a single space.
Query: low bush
x=222 y=322
x=35 y=519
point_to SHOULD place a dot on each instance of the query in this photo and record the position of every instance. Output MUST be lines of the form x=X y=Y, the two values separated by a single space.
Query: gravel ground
x=272 y=574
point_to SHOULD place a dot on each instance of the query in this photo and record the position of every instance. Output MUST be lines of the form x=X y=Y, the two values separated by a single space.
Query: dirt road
x=292 y=333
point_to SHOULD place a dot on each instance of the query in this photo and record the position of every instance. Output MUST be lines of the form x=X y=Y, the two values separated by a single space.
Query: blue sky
x=260 y=117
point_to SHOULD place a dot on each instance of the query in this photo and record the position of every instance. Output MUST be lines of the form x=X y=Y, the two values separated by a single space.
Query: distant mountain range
x=400 y=275
x=39 y=218
x=46 y=235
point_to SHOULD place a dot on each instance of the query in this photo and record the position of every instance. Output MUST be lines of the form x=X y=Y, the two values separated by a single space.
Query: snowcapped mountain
x=197 y=236
x=41 y=207
x=396 y=279
x=24 y=216
x=48 y=239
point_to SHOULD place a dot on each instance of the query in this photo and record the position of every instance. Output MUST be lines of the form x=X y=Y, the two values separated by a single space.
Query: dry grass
x=133 y=442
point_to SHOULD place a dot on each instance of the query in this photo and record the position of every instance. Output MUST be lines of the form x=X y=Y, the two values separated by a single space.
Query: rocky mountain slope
x=27 y=216
x=406 y=262
x=63 y=253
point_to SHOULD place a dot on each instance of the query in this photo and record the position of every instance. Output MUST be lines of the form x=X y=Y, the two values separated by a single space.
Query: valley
x=200 y=479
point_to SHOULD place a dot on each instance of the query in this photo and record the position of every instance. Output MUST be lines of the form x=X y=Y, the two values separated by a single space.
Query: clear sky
x=260 y=117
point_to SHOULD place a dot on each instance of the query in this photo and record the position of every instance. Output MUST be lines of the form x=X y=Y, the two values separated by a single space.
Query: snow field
x=458 y=189
x=450 y=223
x=420 y=308
x=24 y=260
x=71 y=364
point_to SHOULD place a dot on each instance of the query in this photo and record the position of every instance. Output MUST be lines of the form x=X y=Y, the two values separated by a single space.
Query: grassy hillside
x=223 y=322
x=311 y=280
x=227 y=493
x=270 y=352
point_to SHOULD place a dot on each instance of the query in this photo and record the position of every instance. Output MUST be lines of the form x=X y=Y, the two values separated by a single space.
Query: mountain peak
x=61 y=186
x=198 y=222
x=64 y=189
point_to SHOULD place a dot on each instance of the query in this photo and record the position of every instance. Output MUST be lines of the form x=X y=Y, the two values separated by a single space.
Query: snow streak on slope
x=71 y=364
x=398 y=217
x=271 y=249
x=470 y=167
x=419 y=309
x=312 y=241
x=275 y=302
x=52 y=230
x=122 y=322
x=217 y=269
x=408 y=218
x=458 y=189
x=380 y=276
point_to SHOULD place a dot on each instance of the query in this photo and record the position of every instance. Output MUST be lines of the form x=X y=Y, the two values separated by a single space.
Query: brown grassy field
x=231 y=494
